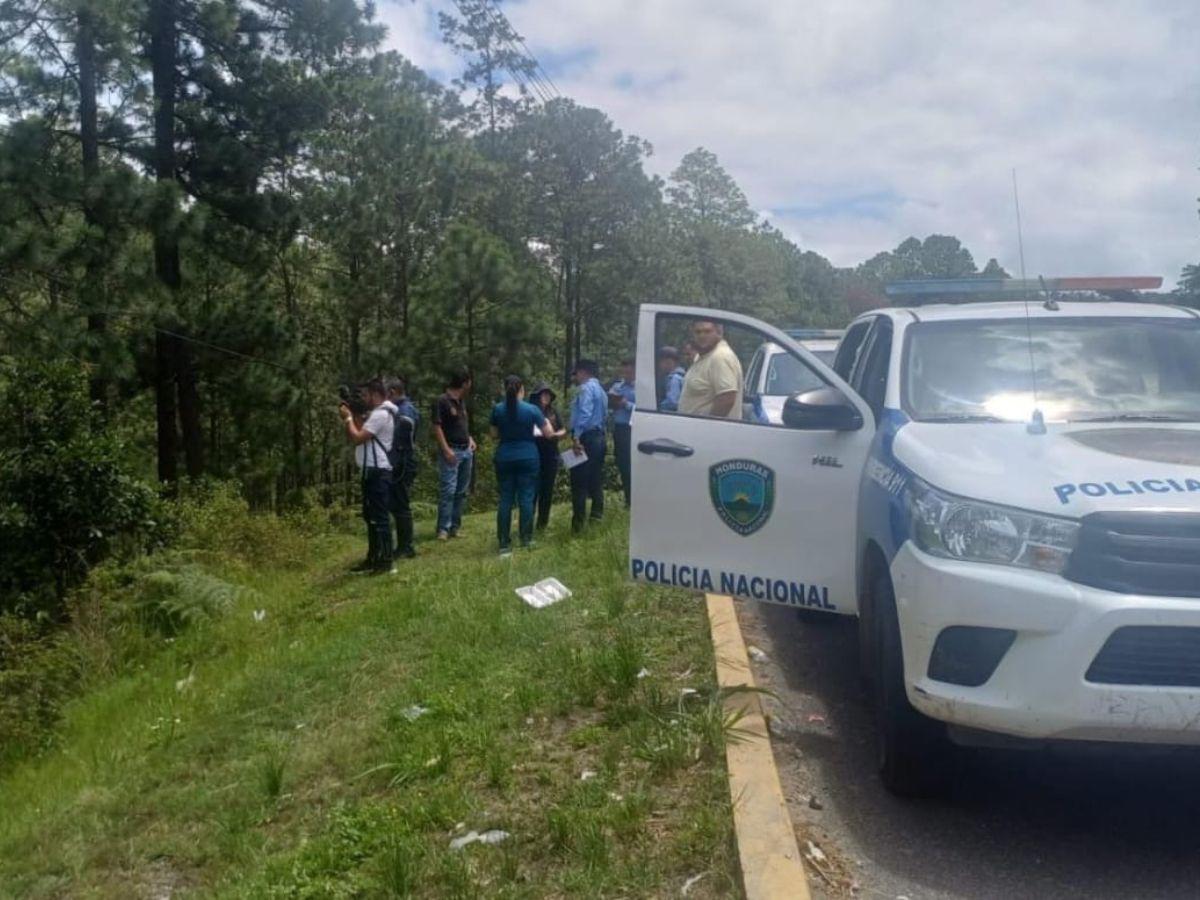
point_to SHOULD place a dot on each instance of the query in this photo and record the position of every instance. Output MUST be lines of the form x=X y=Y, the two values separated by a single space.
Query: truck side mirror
x=823 y=409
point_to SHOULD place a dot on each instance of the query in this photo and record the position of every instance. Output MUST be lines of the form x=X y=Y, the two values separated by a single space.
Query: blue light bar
x=940 y=287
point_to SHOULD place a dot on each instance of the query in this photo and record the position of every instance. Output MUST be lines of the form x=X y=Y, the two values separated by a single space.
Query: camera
x=351 y=396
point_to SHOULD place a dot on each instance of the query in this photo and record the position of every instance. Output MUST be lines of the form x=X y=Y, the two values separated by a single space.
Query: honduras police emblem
x=743 y=493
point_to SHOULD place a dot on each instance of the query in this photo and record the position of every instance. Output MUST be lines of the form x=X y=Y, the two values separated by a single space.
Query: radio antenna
x=1020 y=237
x=1037 y=422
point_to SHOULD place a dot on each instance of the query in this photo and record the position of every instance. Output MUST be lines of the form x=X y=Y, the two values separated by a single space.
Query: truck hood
x=1072 y=470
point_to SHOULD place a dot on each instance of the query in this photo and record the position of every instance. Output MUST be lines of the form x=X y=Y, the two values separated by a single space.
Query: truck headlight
x=956 y=528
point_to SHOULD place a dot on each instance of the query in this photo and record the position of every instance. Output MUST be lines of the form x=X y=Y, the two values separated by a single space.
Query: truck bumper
x=1040 y=687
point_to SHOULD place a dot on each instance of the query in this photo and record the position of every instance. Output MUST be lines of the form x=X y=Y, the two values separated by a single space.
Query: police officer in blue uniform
x=671 y=375
x=621 y=402
x=588 y=414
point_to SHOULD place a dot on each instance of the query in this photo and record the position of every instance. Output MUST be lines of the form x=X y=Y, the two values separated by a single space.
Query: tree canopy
x=219 y=211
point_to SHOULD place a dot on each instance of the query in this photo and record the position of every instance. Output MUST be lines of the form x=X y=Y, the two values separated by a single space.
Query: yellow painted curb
x=771 y=864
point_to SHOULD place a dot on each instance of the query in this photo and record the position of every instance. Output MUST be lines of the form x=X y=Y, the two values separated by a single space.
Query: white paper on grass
x=571 y=459
x=546 y=592
x=495 y=836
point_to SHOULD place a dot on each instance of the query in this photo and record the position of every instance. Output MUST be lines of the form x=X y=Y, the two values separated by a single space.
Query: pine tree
x=489 y=44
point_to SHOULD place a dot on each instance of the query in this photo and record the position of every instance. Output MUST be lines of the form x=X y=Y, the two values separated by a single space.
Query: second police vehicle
x=1005 y=494
x=773 y=374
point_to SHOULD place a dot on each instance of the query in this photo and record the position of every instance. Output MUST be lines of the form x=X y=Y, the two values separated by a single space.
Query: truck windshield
x=786 y=375
x=1083 y=369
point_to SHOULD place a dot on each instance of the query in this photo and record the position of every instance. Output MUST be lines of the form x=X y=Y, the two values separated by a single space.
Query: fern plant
x=177 y=595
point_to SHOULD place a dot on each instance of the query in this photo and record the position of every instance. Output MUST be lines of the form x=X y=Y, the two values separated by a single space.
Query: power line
x=529 y=53
x=228 y=351
x=531 y=76
x=129 y=313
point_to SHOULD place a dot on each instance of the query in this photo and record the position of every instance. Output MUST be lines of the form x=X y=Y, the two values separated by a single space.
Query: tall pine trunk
x=174 y=371
x=89 y=146
x=166 y=247
x=189 y=412
x=297 y=469
x=568 y=279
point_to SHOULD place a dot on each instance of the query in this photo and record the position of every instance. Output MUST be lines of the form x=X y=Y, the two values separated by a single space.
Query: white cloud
x=413 y=31
x=861 y=123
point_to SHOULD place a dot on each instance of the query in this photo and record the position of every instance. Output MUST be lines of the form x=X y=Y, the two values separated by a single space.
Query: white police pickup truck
x=1006 y=495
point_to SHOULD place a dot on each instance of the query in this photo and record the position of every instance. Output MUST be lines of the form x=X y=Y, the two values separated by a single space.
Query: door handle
x=665 y=445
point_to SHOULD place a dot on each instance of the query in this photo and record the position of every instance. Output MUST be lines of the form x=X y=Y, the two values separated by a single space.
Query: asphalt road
x=1016 y=824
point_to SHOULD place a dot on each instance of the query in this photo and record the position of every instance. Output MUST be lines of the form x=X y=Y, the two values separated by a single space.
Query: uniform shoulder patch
x=743 y=493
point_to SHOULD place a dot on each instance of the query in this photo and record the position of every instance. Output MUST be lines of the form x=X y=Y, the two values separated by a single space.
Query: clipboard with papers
x=570 y=458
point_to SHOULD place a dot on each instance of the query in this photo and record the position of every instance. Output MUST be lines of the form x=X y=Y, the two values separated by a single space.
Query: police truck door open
x=739 y=506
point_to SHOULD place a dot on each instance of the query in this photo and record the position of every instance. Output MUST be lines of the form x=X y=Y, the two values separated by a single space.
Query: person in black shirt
x=456 y=452
x=543 y=398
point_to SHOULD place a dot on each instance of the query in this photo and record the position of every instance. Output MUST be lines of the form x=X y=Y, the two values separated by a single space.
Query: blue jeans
x=517 y=480
x=454 y=479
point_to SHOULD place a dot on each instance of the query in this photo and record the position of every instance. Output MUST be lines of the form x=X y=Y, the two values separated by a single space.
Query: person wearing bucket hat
x=542 y=396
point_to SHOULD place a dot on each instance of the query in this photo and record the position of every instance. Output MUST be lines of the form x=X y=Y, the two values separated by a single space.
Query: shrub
x=38 y=671
x=215 y=518
x=67 y=500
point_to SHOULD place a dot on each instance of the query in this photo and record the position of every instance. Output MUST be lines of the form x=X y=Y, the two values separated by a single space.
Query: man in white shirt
x=372 y=442
x=713 y=385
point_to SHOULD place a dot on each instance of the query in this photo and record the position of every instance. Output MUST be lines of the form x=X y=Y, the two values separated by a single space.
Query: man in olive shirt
x=713 y=385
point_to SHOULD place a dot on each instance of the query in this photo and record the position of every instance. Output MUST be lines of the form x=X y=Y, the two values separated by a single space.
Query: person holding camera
x=372 y=440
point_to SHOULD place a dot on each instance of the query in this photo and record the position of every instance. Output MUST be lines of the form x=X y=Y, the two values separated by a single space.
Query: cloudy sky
x=852 y=124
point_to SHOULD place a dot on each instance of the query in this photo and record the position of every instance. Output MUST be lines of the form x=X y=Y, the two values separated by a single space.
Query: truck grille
x=1158 y=655
x=1139 y=553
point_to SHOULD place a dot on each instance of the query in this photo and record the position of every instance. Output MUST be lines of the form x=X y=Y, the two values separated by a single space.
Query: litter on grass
x=494 y=836
x=259 y=615
x=546 y=592
x=691 y=883
x=414 y=712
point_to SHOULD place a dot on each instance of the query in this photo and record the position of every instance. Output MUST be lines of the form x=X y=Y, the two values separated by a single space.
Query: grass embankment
x=285 y=754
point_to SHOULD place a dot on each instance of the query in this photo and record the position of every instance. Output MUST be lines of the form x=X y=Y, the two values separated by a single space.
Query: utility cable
x=128 y=313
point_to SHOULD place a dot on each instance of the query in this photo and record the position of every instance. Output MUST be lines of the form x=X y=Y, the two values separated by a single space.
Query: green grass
x=283 y=757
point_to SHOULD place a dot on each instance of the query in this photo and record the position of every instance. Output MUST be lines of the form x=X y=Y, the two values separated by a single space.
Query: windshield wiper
x=962 y=417
x=1137 y=417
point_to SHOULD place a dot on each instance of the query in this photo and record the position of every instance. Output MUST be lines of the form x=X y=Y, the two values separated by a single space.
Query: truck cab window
x=847 y=351
x=869 y=377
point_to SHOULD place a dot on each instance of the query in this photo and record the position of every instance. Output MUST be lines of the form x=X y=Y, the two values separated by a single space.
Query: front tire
x=912 y=747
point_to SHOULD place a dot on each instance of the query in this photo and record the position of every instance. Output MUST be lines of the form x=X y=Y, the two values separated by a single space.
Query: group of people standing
x=530 y=434
x=702 y=378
